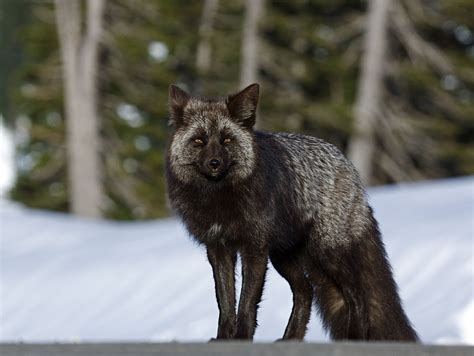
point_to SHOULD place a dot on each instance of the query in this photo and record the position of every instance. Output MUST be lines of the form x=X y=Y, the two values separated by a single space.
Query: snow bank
x=69 y=279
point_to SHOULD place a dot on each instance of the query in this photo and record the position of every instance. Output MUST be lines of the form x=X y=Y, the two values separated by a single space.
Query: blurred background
x=398 y=102
x=84 y=125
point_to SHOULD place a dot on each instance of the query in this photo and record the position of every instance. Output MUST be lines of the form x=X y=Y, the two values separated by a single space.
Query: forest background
x=84 y=87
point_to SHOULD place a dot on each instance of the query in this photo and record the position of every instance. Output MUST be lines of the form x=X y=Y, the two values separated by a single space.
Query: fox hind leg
x=337 y=309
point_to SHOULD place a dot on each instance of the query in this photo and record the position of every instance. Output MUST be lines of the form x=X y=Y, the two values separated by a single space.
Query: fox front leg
x=222 y=260
x=254 y=268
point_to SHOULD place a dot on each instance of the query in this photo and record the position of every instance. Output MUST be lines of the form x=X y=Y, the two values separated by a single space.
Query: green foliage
x=37 y=97
x=308 y=80
x=13 y=14
x=133 y=80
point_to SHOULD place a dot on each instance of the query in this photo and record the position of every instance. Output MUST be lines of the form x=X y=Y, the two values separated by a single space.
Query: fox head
x=213 y=138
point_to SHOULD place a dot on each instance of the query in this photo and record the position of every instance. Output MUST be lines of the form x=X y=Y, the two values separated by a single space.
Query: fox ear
x=243 y=105
x=177 y=101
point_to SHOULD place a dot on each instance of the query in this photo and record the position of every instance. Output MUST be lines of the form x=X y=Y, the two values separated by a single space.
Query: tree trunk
x=204 y=51
x=362 y=145
x=79 y=52
x=250 y=45
x=249 y=50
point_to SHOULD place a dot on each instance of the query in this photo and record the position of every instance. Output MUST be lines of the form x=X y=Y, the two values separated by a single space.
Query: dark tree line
x=313 y=59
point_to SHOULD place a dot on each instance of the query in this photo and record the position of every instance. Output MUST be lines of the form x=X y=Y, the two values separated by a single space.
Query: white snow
x=70 y=279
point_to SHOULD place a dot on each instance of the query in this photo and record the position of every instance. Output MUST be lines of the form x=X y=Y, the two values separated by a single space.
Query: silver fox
x=288 y=198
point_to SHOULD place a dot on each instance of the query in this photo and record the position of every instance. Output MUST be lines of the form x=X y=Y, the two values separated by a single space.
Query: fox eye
x=198 y=141
x=227 y=140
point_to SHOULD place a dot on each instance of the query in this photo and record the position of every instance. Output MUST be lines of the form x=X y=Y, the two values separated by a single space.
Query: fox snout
x=215 y=168
x=214 y=162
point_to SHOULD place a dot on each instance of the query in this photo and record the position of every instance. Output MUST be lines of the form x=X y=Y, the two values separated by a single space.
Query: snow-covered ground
x=69 y=279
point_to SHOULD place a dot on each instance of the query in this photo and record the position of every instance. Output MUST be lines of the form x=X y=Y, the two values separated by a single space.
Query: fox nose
x=214 y=163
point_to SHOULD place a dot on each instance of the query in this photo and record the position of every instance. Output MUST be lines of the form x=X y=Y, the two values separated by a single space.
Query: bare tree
x=407 y=152
x=249 y=61
x=79 y=52
x=362 y=145
x=204 y=50
x=250 y=43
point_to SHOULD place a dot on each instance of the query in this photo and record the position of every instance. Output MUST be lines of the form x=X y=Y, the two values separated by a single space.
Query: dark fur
x=289 y=198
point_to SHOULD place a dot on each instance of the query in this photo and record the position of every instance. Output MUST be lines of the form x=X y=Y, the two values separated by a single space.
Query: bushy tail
x=387 y=319
x=356 y=295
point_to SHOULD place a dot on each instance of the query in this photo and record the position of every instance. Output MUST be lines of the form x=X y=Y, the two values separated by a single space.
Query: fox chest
x=223 y=222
